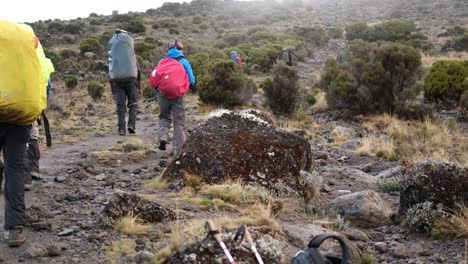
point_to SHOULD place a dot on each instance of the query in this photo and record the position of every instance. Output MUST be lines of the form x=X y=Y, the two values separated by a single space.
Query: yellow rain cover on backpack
x=22 y=86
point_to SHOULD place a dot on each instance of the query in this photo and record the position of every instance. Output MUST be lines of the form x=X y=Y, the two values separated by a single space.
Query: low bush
x=197 y=20
x=136 y=25
x=91 y=44
x=225 y=85
x=372 y=77
x=314 y=35
x=74 y=28
x=444 y=83
x=464 y=101
x=95 y=90
x=265 y=56
x=282 y=92
x=68 y=53
x=459 y=43
x=71 y=82
x=422 y=216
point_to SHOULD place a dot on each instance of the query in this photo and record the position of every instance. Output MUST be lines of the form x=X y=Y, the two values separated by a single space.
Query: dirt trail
x=60 y=161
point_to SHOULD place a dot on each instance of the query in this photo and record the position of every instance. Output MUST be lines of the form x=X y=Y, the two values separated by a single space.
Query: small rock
x=381 y=247
x=125 y=170
x=82 y=174
x=143 y=257
x=396 y=237
x=137 y=171
x=75 y=228
x=41 y=226
x=440 y=259
x=36 y=250
x=100 y=177
x=66 y=232
x=326 y=188
x=416 y=249
x=59 y=179
x=163 y=163
x=401 y=251
x=54 y=250
x=357 y=235
x=376 y=236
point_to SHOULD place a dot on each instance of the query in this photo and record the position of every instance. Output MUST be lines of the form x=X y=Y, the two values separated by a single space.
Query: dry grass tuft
x=414 y=141
x=132 y=225
x=236 y=192
x=455 y=225
x=133 y=144
x=157 y=183
x=105 y=156
x=428 y=60
x=120 y=248
x=321 y=102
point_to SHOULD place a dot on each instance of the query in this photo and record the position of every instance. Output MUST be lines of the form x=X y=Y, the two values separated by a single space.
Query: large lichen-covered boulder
x=123 y=204
x=434 y=181
x=208 y=251
x=242 y=146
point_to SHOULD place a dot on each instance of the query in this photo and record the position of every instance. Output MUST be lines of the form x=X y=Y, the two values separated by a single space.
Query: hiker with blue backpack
x=125 y=80
x=236 y=58
x=172 y=77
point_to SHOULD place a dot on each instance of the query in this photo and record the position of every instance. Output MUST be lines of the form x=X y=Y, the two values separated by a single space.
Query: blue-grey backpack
x=122 y=59
x=313 y=256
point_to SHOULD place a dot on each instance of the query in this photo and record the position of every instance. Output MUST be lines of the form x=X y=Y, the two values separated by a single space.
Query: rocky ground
x=65 y=209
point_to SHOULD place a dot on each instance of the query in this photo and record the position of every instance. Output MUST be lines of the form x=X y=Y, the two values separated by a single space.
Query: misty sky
x=33 y=10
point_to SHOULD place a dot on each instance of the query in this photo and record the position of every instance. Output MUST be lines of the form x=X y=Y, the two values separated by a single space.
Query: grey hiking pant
x=126 y=90
x=176 y=109
x=13 y=141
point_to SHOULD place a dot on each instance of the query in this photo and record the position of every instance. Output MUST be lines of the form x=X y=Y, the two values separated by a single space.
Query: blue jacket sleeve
x=188 y=70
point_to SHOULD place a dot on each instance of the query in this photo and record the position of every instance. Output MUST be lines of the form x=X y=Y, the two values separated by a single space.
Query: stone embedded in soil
x=59 y=179
x=242 y=147
x=382 y=247
x=66 y=232
x=101 y=177
x=438 y=182
x=400 y=251
x=364 y=209
x=42 y=226
x=123 y=204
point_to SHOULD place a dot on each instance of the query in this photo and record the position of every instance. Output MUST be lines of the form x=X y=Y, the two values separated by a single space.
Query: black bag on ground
x=313 y=256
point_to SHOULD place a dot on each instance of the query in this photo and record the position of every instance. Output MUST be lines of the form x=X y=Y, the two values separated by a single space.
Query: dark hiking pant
x=126 y=95
x=13 y=141
x=33 y=157
x=169 y=110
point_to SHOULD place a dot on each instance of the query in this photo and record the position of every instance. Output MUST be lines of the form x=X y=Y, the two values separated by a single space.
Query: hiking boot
x=162 y=145
x=121 y=132
x=35 y=175
x=14 y=237
x=131 y=130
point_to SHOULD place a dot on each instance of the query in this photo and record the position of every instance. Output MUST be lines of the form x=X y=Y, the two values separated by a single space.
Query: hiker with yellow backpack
x=33 y=151
x=22 y=100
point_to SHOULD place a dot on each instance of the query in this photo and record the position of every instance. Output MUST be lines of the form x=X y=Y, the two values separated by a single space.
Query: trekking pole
x=243 y=232
x=215 y=233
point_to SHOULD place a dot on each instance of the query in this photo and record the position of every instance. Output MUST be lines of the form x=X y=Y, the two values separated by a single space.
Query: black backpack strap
x=318 y=240
x=47 y=130
x=179 y=58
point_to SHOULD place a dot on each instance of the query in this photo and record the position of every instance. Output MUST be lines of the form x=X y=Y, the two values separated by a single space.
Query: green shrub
x=368 y=259
x=225 y=85
x=231 y=39
x=204 y=26
x=200 y=64
x=73 y=28
x=71 y=82
x=136 y=25
x=68 y=53
x=148 y=92
x=459 y=43
x=54 y=57
x=91 y=44
x=144 y=49
x=282 y=92
x=263 y=35
x=173 y=31
x=372 y=77
x=95 y=90
x=464 y=101
x=264 y=56
x=444 y=83
x=197 y=20
x=55 y=27
x=168 y=23
x=413 y=111
x=311 y=100
x=314 y=35
x=335 y=33
x=393 y=30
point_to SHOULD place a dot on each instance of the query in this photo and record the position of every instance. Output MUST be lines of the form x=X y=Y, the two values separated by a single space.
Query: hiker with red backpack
x=236 y=57
x=125 y=77
x=172 y=78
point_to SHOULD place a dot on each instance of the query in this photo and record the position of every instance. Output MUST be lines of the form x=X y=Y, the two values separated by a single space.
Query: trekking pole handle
x=218 y=238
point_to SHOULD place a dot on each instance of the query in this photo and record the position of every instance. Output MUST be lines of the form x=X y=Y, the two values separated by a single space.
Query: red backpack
x=170 y=78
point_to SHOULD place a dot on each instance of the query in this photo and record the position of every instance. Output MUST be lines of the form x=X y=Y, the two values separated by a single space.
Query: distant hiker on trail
x=22 y=80
x=288 y=56
x=235 y=57
x=125 y=77
x=172 y=77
